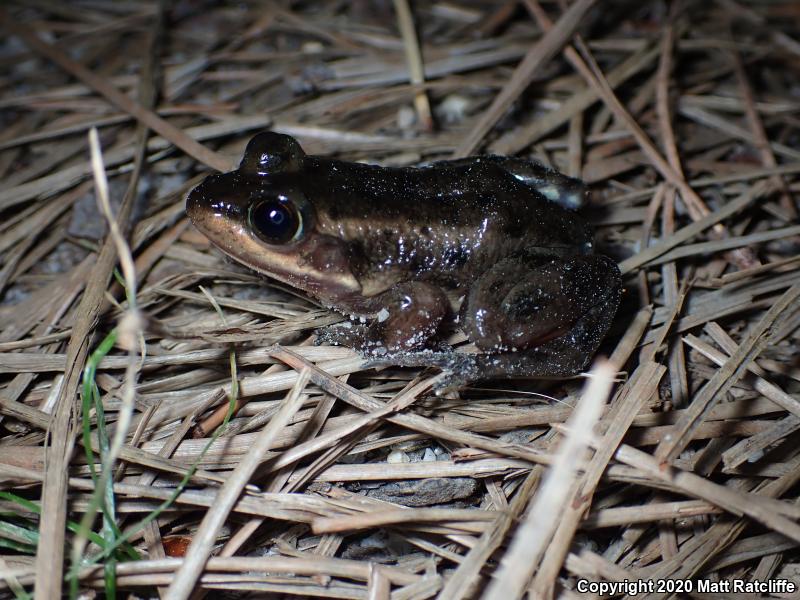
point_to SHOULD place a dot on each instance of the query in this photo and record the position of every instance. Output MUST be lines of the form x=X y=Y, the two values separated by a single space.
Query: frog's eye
x=277 y=220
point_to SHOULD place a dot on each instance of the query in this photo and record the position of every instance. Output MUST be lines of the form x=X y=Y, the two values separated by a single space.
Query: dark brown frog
x=491 y=243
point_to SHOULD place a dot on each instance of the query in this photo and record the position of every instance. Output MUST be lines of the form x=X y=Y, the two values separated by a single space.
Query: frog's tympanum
x=490 y=244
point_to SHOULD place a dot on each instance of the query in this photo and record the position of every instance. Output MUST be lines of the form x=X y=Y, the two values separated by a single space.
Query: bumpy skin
x=401 y=246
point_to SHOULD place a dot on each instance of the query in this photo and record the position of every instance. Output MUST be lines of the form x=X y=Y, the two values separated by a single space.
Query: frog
x=491 y=245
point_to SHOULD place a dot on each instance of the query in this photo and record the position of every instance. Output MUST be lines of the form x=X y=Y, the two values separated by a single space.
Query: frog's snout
x=194 y=203
x=213 y=199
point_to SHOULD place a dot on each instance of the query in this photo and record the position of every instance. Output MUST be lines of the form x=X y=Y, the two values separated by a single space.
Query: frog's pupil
x=275 y=221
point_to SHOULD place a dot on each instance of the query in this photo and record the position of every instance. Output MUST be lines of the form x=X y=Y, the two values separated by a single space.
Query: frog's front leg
x=525 y=303
x=403 y=319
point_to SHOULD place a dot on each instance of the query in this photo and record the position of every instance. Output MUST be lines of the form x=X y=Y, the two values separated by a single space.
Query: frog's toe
x=347 y=333
x=422 y=358
x=459 y=369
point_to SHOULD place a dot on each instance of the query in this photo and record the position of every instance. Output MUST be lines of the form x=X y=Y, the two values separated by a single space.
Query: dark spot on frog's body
x=514 y=228
x=334 y=214
x=417 y=264
x=455 y=257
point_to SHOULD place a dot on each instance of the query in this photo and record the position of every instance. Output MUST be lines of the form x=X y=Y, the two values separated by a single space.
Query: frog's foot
x=444 y=360
x=459 y=368
x=348 y=333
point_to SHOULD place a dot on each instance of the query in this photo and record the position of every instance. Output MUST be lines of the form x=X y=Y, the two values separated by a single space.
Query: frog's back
x=458 y=194
x=467 y=211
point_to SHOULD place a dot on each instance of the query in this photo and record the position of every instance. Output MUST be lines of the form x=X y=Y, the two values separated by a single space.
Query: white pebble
x=397 y=457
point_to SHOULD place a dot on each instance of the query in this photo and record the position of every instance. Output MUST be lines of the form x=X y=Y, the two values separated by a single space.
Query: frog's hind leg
x=564 y=356
x=557 y=309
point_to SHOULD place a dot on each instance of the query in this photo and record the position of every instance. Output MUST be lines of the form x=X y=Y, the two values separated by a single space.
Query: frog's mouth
x=315 y=263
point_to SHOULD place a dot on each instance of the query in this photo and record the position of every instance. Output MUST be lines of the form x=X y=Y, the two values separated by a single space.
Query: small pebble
x=397 y=457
